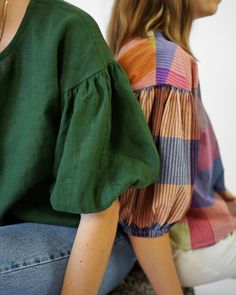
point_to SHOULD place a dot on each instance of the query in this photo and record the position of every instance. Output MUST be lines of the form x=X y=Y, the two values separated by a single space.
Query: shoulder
x=156 y=61
x=173 y=64
x=75 y=37
x=62 y=12
x=138 y=59
x=59 y=18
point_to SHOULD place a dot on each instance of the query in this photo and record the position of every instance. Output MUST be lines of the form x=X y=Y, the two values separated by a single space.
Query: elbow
x=109 y=215
x=112 y=213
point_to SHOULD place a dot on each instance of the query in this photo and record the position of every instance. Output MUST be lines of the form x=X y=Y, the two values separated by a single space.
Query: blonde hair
x=136 y=18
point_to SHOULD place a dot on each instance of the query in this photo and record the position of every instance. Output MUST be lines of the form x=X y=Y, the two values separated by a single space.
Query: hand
x=230 y=201
x=227 y=196
x=232 y=206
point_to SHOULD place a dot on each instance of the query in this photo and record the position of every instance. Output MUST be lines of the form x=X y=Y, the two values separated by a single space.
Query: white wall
x=214 y=44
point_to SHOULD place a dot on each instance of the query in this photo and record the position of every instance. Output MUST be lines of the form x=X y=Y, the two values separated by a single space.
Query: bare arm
x=91 y=248
x=155 y=257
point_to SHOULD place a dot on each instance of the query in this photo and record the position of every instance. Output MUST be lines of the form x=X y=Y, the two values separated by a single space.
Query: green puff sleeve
x=104 y=145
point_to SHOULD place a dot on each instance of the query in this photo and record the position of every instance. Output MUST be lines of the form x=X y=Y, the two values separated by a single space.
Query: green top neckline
x=19 y=32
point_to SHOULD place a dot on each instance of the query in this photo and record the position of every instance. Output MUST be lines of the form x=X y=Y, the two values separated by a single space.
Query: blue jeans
x=33 y=259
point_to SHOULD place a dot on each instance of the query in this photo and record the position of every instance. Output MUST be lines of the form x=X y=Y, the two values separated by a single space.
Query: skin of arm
x=155 y=258
x=91 y=251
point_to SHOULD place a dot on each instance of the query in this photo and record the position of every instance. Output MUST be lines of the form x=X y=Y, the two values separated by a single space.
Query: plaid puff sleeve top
x=190 y=192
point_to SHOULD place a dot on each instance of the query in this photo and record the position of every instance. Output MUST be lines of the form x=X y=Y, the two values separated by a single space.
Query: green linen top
x=73 y=137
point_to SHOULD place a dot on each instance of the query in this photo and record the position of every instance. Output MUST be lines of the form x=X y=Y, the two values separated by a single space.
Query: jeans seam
x=33 y=265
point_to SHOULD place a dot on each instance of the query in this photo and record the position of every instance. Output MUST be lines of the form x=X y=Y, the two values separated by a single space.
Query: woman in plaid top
x=151 y=42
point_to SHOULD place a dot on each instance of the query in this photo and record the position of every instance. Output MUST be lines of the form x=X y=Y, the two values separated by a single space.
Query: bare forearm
x=91 y=248
x=155 y=257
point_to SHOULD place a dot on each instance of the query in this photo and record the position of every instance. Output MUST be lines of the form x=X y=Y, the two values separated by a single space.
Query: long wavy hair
x=136 y=18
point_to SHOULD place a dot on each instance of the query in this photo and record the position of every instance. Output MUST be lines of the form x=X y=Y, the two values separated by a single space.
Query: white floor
x=226 y=287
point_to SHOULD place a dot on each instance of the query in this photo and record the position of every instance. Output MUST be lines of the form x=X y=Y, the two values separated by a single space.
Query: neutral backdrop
x=214 y=44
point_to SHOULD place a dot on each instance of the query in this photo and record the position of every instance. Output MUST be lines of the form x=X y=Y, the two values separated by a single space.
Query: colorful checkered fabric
x=190 y=192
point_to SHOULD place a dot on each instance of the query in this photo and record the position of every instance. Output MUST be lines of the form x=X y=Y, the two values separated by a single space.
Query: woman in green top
x=72 y=140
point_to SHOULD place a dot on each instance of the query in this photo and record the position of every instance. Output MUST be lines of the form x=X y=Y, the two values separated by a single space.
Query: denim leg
x=33 y=259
